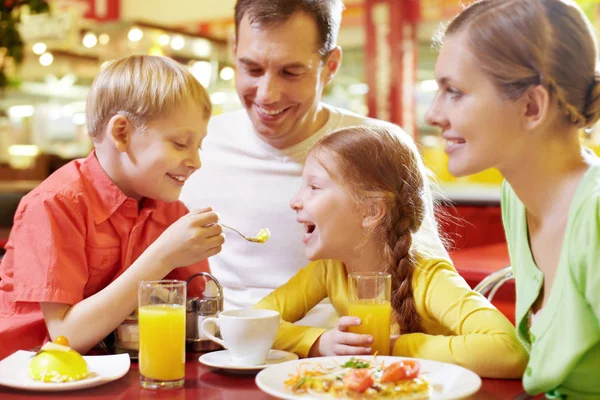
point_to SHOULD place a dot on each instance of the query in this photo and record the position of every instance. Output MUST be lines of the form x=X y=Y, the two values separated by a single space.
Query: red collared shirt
x=72 y=236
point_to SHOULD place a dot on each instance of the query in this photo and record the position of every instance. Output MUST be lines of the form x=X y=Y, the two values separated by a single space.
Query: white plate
x=222 y=360
x=456 y=382
x=103 y=369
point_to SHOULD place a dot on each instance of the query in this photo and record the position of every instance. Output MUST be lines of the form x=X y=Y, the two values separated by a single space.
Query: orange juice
x=375 y=321
x=162 y=342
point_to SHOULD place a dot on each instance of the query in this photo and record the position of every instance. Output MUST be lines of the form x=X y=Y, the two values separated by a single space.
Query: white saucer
x=222 y=360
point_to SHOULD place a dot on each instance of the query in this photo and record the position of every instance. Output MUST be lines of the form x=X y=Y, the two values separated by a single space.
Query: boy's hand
x=340 y=342
x=191 y=239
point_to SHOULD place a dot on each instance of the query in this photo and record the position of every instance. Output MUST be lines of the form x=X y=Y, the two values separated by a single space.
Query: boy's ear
x=119 y=131
x=374 y=212
x=536 y=106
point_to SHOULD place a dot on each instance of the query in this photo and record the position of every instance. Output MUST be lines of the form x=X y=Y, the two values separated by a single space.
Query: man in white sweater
x=285 y=55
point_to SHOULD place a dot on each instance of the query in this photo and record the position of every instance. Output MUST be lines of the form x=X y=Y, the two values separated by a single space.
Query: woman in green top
x=517 y=81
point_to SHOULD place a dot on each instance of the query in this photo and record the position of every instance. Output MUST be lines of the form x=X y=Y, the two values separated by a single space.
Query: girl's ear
x=373 y=213
x=119 y=132
x=536 y=106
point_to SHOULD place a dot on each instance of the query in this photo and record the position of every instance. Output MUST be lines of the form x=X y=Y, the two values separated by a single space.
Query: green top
x=564 y=342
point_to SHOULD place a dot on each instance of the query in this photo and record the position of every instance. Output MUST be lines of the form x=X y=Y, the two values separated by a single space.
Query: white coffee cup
x=247 y=333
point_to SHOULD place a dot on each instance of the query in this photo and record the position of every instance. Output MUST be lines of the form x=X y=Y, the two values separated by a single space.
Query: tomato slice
x=61 y=340
x=401 y=370
x=358 y=380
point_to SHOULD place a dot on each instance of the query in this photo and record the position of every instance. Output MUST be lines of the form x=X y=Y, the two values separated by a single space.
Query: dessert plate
x=103 y=369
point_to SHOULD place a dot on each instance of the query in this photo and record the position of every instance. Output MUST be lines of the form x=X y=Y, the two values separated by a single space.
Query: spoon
x=262 y=236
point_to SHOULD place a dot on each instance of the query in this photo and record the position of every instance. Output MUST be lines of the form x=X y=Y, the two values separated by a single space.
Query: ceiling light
x=104 y=39
x=164 y=39
x=135 y=34
x=201 y=47
x=46 y=59
x=227 y=73
x=89 y=40
x=39 y=48
x=178 y=42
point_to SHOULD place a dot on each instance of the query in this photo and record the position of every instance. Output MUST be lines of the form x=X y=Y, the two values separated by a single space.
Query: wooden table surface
x=206 y=384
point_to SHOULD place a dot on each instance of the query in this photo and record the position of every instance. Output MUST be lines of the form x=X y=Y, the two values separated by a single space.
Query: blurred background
x=50 y=51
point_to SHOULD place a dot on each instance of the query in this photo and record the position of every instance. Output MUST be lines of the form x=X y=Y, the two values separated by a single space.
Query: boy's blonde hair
x=141 y=88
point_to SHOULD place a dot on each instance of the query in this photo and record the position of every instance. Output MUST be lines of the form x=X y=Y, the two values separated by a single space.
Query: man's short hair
x=142 y=88
x=327 y=14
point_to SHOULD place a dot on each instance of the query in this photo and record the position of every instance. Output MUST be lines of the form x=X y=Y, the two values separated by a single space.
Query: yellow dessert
x=58 y=363
x=263 y=235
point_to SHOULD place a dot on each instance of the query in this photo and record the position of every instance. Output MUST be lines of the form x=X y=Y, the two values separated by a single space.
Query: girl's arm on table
x=481 y=338
x=294 y=300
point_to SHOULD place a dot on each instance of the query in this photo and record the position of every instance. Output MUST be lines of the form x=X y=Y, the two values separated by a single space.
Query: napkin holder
x=210 y=304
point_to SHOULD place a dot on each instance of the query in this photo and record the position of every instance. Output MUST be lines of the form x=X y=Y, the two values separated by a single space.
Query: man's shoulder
x=350 y=118
x=227 y=129
x=227 y=119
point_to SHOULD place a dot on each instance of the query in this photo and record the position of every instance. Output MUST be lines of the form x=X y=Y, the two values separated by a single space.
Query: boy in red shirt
x=84 y=238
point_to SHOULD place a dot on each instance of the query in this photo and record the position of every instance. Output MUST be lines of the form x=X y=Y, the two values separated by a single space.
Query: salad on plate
x=361 y=379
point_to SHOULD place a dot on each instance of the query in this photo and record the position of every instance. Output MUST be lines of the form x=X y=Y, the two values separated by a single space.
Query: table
x=203 y=383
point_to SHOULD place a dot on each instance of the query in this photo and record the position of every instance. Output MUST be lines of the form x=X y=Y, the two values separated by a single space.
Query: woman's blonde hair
x=383 y=165
x=141 y=88
x=521 y=43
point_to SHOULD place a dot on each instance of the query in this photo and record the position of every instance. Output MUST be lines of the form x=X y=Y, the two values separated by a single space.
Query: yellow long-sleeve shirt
x=460 y=326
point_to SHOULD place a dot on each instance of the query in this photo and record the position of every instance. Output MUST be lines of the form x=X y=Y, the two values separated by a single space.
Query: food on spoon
x=57 y=362
x=263 y=235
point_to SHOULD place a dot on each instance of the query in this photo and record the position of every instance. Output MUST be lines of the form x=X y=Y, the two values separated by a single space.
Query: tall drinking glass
x=161 y=318
x=369 y=295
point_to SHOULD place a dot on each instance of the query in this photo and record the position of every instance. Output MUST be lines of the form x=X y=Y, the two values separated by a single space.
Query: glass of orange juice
x=161 y=316
x=369 y=296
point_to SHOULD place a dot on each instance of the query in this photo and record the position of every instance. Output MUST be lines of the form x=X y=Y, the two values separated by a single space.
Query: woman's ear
x=119 y=131
x=536 y=106
x=374 y=212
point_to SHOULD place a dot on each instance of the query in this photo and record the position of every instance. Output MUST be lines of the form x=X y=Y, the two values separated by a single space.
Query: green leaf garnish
x=300 y=383
x=356 y=364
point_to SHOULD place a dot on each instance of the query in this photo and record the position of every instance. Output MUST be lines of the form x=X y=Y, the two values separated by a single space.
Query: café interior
x=43 y=124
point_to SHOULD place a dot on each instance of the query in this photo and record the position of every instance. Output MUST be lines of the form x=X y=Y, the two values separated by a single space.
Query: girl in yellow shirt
x=362 y=200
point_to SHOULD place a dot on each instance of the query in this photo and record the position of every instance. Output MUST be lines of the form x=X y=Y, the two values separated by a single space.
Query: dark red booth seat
x=4 y=237
x=478 y=247
x=475 y=263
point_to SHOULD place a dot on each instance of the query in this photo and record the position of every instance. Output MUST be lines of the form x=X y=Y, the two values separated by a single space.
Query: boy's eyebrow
x=179 y=131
